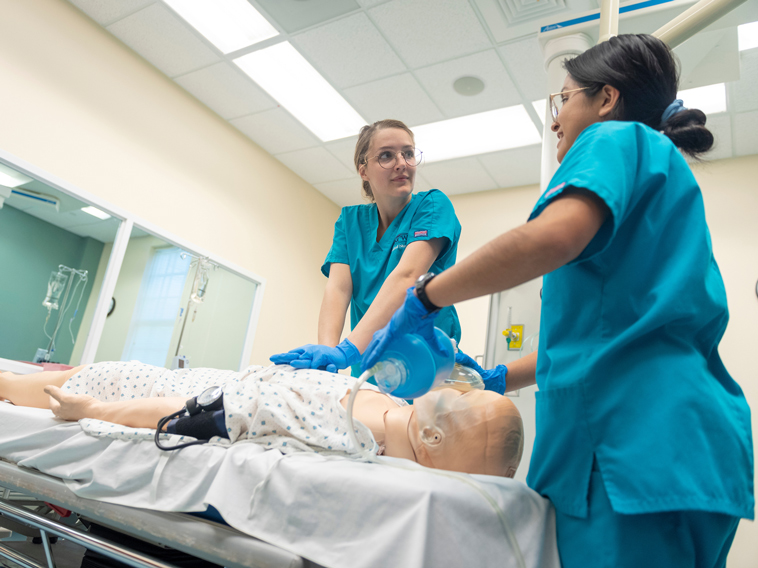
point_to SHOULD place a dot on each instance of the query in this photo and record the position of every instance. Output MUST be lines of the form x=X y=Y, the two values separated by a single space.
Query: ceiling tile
x=745 y=139
x=105 y=12
x=164 y=40
x=518 y=166
x=743 y=94
x=315 y=165
x=294 y=15
x=464 y=175
x=344 y=192
x=349 y=51
x=276 y=131
x=226 y=90
x=527 y=67
x=399 y=97
x=425 y=32
x=721 y=127
x=344 y=150
x=498 y=92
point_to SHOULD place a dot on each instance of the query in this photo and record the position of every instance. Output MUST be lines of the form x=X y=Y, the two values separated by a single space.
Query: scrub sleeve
x=429 y=215
x=628 y=371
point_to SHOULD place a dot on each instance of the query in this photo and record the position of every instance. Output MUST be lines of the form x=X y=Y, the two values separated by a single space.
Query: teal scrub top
x=428 y=215
x=628 y=367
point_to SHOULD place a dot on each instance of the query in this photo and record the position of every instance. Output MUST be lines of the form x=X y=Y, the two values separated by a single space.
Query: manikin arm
x=138 y=413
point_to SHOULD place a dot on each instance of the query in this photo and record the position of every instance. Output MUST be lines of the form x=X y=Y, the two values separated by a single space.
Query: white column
x=609 y=19
x=556 y=51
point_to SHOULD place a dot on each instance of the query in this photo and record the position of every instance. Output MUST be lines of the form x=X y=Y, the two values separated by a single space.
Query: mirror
x=173 y=309
x=50 y=247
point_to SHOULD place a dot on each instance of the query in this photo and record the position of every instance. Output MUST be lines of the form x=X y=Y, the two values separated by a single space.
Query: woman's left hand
x=320 y=357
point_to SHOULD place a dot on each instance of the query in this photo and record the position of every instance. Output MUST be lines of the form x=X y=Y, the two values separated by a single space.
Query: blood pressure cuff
x=202 y=426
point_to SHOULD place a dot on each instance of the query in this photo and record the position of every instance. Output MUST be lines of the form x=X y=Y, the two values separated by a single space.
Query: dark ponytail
x=688 y=132
x=646 y=73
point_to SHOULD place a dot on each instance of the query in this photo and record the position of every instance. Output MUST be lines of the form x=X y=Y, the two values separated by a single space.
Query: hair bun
x=687 y=131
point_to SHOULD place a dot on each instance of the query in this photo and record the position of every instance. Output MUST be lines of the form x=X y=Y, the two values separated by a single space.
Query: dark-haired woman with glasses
x=643 y=439
x=380 y=249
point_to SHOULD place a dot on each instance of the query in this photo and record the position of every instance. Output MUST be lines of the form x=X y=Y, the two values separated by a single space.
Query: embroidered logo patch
x=419 y=234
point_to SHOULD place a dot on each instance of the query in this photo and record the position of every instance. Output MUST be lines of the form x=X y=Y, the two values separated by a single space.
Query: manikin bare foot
x=73 y=407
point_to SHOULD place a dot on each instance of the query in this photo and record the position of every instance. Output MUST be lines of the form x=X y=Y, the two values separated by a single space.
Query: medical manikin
x=291 y=410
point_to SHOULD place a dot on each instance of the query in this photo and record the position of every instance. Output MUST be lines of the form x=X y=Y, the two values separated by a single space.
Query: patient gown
x=276 y=406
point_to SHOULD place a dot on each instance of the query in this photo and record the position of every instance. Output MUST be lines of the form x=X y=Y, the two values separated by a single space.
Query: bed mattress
x=332 y=510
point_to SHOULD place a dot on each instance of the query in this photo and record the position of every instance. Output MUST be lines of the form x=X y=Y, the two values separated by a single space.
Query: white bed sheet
x=334 y=511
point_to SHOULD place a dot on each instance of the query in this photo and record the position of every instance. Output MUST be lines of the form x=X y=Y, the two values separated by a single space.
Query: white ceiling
x=399 y=59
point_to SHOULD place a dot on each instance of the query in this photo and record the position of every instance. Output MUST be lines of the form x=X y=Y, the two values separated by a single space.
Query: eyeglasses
x=388 y=159
x=557 y=100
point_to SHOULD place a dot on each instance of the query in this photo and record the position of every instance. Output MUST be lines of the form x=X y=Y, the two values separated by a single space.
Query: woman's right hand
x=411 y=317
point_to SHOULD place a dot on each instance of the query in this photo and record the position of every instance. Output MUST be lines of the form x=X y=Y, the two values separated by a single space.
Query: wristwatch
x=421 y=283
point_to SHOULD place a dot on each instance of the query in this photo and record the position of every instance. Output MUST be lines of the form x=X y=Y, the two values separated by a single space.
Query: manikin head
x=471 y=432
x=379 y=163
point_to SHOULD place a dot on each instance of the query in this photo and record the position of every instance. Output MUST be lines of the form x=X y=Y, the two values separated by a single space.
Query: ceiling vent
x=522 y=11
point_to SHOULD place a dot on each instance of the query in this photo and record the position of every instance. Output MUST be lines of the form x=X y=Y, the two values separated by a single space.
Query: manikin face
x=472 y=432
x=397 y=181
x=577 y=113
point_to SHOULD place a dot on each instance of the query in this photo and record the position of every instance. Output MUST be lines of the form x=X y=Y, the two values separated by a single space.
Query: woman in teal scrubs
x=380 y=249
x=643 y=441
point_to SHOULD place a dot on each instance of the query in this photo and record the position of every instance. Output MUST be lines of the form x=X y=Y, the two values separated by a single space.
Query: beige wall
x=731 y=200
x=79 y=104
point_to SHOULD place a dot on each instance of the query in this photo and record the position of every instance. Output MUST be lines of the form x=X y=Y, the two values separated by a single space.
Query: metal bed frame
x=204 y=539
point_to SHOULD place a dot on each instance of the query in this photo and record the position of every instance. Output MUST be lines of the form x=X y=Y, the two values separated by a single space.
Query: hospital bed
x=297 y=510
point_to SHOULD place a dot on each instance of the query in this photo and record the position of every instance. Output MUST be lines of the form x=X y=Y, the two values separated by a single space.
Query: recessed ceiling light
x=228 y=24
x=285 y=75
x=540 y=107
x=11 y=178
x=480 y=133
x=747 y=35
x=468 y=86
x=710 y=99
x=95 y=212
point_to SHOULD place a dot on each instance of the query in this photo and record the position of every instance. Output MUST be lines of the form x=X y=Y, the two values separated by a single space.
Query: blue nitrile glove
x=320 y=357
x=494 y=379
x=411 y=317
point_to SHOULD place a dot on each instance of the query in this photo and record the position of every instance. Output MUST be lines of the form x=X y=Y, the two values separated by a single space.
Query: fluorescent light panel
x=541 y=108
x=11 y=178
x=228 y=24
x=490 y=131
x=285 y=75
x=95 y=212
x=710 y=99
x=747 y=35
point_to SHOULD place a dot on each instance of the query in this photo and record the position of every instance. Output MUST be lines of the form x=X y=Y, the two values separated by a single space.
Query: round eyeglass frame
x=417 y=157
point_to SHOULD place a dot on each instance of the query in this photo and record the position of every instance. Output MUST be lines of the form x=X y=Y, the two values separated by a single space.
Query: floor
x=65 y=553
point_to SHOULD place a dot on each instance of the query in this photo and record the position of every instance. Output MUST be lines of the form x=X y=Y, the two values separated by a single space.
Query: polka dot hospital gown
x=276 y=407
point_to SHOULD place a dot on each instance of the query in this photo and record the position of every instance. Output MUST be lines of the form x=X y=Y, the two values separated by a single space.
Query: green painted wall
x=30 y=249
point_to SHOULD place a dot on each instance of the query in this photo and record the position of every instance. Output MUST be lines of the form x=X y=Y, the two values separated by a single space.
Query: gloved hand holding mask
x=411 y=317
x=494 y=379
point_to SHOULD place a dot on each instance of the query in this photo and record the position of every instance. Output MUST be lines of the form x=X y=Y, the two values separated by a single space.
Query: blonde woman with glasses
x=380 y=249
